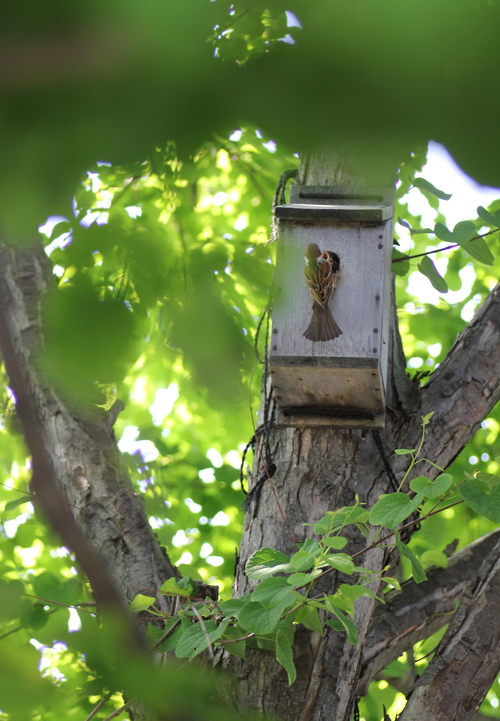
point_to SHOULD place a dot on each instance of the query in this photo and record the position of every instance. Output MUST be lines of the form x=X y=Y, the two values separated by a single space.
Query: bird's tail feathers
x=322 y=326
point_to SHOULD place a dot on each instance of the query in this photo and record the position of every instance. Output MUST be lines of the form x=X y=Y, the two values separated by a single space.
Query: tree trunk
x=80 y=479
x=320 y=469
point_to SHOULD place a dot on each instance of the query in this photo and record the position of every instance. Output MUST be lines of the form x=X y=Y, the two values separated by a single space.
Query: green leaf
x=488 y=477
x=480 y=251
x=346 y=624
x=338 y=600
x=391 y=509
x=312 y=547
x=309 y=617
x=341 y=561
x=355 y=592
x=237 y=649
x=300 y=579
x=416 y=566
x=188 y=584
x=433 y=557
x=404 y=451
x=255 y=618
x=482 y=498
x=302 y=561
x=392 y=582
x=198 y=637
x=272 y=591
x=400 y=262
x=140 y=603
x=423 y=184
x=488 y=217
x=462 y=234
x=427 y=268
x=172 y=588
x=16 y=502
x=233 y=606
x=335 y=520
x=153 y=635
x=284 y=656
x=267 y=562
x=414 y=231
x=336 y=542
x=432 y=489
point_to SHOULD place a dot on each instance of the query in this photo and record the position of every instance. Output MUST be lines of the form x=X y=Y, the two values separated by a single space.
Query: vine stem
x=441 y=250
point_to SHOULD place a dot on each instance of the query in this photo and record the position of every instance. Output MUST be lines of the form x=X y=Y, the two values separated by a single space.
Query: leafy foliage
x=127 y=261
x=162 y=271
x=286 y=595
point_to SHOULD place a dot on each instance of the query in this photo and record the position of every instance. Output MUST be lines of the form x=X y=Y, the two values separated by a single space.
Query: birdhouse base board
x=309 y=418
x=346 y=393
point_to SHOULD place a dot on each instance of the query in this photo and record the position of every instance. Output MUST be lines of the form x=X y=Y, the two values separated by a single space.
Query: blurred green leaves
x=171 y=292
x=88 y=339
x=182 y=71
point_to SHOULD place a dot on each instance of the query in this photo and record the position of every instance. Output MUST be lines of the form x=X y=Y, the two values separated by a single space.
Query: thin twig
x=166 y=635
x=440 y=250
x=101 y=703
x=64 y=605
x=13 y=630
x=120 y=710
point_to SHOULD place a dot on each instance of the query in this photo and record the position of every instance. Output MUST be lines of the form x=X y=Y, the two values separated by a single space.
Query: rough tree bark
x=417 y=611
x=317 y=470
x=467 y=660
x=75 y=450
x=80 y=441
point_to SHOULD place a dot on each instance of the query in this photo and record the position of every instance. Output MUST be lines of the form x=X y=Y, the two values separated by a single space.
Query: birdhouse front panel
x=331 y=302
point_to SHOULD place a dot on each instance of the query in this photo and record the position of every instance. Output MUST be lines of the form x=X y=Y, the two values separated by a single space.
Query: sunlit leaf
x=393 y=508
x=427 y=267
x=423 y=184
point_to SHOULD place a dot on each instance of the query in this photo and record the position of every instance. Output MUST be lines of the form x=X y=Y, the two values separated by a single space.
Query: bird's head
x=312 y=253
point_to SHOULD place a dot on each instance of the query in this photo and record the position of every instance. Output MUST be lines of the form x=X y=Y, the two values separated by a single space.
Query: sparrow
x=321 y=273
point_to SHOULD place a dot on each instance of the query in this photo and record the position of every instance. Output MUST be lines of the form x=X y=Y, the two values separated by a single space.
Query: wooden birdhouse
x=341 y=381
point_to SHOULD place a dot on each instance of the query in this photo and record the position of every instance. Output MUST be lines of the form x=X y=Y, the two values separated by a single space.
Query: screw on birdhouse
x=380 y=246
x=275 y=330
x=377 y=297
x=374 y=350
x=275 y=347
x=375 y=330
x=380 y=237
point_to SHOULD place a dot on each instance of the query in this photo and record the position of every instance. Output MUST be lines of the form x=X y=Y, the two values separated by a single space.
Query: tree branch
x=74 y=448
x=419 y=610
x=467 y=660
x=461 y=392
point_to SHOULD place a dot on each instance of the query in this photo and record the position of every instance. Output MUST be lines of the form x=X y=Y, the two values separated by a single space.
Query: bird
x=321 y=273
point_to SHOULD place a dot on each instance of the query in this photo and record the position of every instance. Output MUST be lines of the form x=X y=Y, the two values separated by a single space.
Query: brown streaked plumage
x=321 y=273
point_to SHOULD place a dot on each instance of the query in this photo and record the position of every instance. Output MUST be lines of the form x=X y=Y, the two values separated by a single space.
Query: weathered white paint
x=345 y=378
